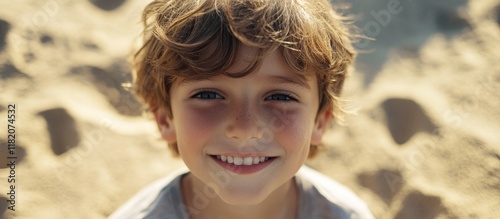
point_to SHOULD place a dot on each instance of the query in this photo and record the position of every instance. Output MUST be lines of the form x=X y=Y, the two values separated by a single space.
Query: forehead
x=273 y=66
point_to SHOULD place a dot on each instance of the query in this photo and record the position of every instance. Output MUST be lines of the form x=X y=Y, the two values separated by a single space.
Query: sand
x=422 y=139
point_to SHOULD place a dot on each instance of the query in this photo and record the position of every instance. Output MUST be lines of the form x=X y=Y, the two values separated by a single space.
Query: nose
x=244 y=122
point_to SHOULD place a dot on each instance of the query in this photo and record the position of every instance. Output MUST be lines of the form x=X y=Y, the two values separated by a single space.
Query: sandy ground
x=423 y=140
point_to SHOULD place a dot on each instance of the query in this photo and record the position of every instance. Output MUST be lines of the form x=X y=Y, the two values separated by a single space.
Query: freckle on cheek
x=201 y=121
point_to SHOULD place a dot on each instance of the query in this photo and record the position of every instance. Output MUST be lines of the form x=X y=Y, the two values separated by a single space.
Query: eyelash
x=282 y=96
x=199 y=94
x=287 y=96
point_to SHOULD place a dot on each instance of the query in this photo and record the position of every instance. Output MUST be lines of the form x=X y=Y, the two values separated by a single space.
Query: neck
x=282 y=203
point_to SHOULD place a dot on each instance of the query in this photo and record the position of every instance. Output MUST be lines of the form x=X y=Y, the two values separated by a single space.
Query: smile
x=242 y=160
x=243 y=165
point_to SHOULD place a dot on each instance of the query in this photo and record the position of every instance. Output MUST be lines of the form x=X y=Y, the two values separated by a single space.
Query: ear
x=165 y=125
x=323 y=119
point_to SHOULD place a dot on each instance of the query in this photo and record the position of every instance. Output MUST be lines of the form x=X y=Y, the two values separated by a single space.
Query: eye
x=207 y=95
x=281 y=97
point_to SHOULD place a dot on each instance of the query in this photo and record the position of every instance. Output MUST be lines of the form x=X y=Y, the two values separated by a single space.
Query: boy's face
x=267 y=115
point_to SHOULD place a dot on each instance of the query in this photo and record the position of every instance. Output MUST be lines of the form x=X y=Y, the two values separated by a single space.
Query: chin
x=239 y=196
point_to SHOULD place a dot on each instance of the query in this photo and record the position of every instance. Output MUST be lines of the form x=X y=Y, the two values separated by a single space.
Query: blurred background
x=422 y=141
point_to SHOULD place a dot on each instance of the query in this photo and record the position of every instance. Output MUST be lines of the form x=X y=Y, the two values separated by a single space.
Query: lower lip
x=244 y=169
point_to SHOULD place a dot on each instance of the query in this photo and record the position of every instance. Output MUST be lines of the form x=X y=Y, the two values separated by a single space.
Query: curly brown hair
x=198 y=39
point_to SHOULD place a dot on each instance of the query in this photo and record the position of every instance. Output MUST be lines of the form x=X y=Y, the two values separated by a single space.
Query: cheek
x=195 y=125
x=292 y=129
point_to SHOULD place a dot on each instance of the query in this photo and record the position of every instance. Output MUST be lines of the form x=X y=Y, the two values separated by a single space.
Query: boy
x=242 y=91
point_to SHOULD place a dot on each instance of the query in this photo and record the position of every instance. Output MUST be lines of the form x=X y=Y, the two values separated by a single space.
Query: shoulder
x=323 y=197
x=158 y=198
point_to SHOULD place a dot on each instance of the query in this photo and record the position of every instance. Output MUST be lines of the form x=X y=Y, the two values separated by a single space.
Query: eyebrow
x=289 y=80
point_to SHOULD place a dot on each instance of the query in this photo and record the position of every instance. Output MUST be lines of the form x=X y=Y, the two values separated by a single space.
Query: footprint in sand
x=405 y=118
x=8 y=71
x=62 y=128
x=417 y=205
x=385 y=183
x=108 y=5
x=497 y=14
x=46 y=39
x=4 y=29
x=109 y=83
x=451 y=21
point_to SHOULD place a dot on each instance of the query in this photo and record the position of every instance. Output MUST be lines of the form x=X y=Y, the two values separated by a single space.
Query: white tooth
x=262 y=159
x=238 y=161
x=223 y=158
x=248 y=161
x=256 y=160
x=229 y=159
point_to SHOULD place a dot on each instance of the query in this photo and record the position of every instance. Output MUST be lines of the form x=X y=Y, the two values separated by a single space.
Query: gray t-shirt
x=319 y=197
